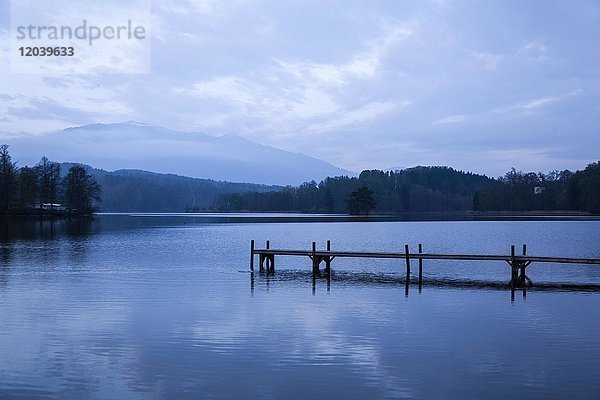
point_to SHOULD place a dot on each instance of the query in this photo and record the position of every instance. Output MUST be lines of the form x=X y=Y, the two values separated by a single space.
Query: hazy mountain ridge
x=134 y=145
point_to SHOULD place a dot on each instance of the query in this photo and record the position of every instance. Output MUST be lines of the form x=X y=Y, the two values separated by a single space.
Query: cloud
x=489 y=60
x=451 y=119
x=356 y=117
x=398 y=73
x=536 y=103
x=539 y=159
x=41 y=104
x=364 y=64
x=124 y=55
x=368 y=63
x=294 y=97
x=519 y=108
x=230 y=89
x=533 y=50
x=204 y=8
x=529 y=105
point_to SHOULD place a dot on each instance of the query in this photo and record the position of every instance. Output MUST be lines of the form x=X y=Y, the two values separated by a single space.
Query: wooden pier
x=517 y=263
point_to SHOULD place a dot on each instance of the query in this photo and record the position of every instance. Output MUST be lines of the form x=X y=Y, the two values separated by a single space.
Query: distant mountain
x=143 y=191
x=133 y=145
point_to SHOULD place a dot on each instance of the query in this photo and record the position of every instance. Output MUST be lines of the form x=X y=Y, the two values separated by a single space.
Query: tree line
x=419 y=189
x=43 y=189
x=556 y=191
x=430 y=189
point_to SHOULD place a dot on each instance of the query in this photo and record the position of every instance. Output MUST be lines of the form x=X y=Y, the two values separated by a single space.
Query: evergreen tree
x=361 y=201
x=589 y=184
x=405 y=197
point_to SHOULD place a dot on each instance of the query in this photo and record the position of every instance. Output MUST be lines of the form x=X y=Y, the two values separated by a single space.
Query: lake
x=165 y=307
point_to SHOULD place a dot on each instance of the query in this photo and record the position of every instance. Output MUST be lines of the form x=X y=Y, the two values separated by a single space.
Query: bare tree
x=8 y=178
x=81 y=190
x=49 y=175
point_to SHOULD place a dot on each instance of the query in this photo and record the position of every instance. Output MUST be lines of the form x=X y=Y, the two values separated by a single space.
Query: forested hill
x=419 y=189
x=142 y=191
x=554 y=191
x=432 y=189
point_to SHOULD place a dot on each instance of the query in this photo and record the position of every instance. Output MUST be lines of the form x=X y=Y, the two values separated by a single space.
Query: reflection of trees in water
x=5 y=257
x=47 y=237
x=43 y=228
x=5 y=251
x=78 y=227
x=77 y=231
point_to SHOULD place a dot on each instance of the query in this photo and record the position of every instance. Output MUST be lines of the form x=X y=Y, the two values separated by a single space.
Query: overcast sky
x=478 y=85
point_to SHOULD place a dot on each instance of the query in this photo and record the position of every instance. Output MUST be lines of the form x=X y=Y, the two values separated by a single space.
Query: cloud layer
x=479 y=86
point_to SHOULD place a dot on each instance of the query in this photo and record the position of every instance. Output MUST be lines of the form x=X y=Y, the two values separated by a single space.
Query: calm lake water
x=164 y=307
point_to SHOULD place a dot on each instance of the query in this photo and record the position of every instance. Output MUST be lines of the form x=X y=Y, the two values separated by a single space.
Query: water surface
x=165 y=307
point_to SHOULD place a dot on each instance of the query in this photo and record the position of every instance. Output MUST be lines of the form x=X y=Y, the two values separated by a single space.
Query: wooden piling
x=513 y=267
x=406 y=253
x=315 y=259
x=420 y=265
x=407 y=282
x=267 y=258
x=328 y=260
x=252 y=255
x=522 y=264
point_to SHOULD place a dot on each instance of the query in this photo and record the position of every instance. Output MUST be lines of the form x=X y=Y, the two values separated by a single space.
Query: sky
x=481 y=86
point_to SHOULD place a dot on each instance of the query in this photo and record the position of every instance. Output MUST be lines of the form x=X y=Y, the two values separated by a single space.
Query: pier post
x=252 y=255
x=315 y=260
x=407 y=283
x=328 y=259
x=407 y=261
x=420 y=266
x=514 y=268
x=267 y=258
x=522 y=265
x=272 y=263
